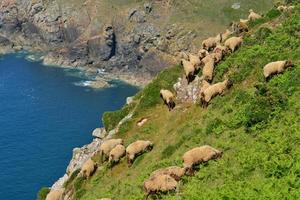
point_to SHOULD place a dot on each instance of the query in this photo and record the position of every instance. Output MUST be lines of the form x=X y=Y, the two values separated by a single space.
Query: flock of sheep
x=214 y=49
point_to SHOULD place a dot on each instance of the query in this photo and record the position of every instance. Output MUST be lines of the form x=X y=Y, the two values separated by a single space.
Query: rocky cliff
x=119 y=37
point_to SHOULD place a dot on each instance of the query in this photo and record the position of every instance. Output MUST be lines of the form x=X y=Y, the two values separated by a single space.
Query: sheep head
x=288 y=63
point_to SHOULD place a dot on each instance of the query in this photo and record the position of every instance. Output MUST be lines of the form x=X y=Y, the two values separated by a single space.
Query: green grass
x=256 y=124
x=42 y=194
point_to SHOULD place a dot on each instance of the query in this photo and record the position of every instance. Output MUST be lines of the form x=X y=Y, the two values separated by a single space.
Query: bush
x=42 y=194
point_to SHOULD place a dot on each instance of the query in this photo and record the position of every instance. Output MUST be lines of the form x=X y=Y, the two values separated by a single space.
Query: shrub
x=42 y=194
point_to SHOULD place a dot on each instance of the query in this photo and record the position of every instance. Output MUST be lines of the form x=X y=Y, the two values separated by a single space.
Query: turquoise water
x=43 y=116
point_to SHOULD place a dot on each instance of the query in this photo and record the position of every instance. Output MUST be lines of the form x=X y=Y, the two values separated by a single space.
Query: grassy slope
x=258 y=129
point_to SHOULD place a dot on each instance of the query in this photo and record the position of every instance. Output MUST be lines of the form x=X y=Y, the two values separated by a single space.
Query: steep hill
x=256 y=124
x=122 y=37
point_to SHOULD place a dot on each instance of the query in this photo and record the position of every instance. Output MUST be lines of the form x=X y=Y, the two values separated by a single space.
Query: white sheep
x=174 y=171
x=168 y=98
x=239 y=27
x=253 y=16
x=161 y=183
x=223 y=36
x=211 y=43
x=199 y=155
x=208 y=70
x=189 y=70
x=195 y=60
x=202 y=53
x=283 y=8
x=214 y=90
x=88 y=168
x=116 y=154
x=107 y=146
x=233 y=43
x=137 y=148
x=276 y=68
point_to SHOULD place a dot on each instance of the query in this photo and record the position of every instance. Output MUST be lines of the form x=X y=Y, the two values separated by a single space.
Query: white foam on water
x=236 y=5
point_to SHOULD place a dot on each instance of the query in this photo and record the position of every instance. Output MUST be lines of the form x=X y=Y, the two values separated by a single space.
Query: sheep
x=168 y=98
x=204 y=85
x=245 y=21
x=137 y=148
x=253 y=16
x=233 y=43
x=208 y=70
x=225 y=35
x=161 y=183
x=55 y=194
x=276 y=68
x=107 y=146
x=214 y=90
x=189 y=70
x=222 y=50
x=195 y=60
x=283 y=8
x=211 y=43
x=88 y=168
x=116 y=154
x=174 y=171
x=239 y=27
x=199 y=155
x=202 y=53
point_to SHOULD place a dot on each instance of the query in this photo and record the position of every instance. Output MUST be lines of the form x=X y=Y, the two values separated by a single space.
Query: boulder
x=99 y=133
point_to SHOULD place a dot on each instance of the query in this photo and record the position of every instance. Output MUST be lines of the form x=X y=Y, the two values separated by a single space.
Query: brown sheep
x=202 y=53
x=199 y=155
x=88 y=168
x=233 y=43
x=55 y=194
x=137 y=148
x=208 y=70
x=116 y=154
x=161 y=183
x=107 y=146
x=211 y=43
x=276 y=68
x=174 y=171
x=214 y=90
x=195 y=60
x=253 y=16
x=189 y=70
x=168 y=98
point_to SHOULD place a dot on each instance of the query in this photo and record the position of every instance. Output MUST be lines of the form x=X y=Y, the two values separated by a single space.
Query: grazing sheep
x=174 y=171
x=199 y=155
x=168 y=98
x=189 y=70
x=214 y=90
x=283 y=8
x=137 y=148
x=221 y=50
x=245 y=21
x=161 y=183
x=253 y=16
x=208 y=59
x=55 y=194
x=208 y=70
x=225 y=35
x=233 y=43
x=202 y=53
x=88 y=168
x=107 y=146
x=204 y=86
x=211 y=43
x=239 y=27
x=116 y=154
x=195 y=60
x=276 y=68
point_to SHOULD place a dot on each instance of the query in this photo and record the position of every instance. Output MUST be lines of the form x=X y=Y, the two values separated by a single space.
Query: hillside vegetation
x=256 y=124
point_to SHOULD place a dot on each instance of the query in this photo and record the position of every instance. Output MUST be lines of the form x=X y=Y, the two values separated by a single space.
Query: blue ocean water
x=43 y=116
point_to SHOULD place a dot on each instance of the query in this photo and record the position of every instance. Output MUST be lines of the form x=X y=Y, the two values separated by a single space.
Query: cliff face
x=122 y=37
